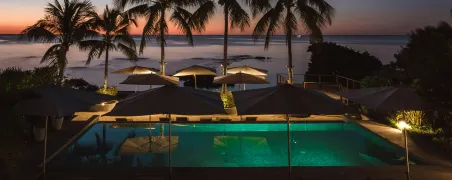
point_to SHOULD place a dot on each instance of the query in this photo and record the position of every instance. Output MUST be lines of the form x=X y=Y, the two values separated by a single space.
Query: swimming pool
x=227 y=145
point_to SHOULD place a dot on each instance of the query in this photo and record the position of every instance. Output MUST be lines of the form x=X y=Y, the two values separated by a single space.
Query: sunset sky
x=353 y=17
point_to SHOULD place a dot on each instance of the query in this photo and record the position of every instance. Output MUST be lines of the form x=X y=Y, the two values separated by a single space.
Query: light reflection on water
x=227 y=145
x=178 y=55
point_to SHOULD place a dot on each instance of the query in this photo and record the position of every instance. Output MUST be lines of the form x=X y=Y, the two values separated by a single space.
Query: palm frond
x=139 y=11
x=238 y=16
x=312 y=20
x=50 y=54
x=290 y=25
x=121 y=4
x=38 y=33
x=180 y=19
x=149 y=27
x=95 y=48
x=125 y=39
x=269 y=23
x=258 y=6
x=326 y=10
x=202 y=15
x=161 y=29
x=128 y=51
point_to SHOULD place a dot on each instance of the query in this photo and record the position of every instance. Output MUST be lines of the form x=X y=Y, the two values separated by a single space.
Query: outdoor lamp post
x=403 y=125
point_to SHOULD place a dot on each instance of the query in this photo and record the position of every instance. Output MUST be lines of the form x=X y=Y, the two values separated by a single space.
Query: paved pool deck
x=395 y=136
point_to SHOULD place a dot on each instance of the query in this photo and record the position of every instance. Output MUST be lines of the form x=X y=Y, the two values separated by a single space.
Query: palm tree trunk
x=60 y=76
x=62 y=66
x=162 y=42
x=225 y=46
x=106 y=69
x=289 y=45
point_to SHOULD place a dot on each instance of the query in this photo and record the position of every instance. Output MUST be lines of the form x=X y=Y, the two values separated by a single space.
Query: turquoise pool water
x=228 y=145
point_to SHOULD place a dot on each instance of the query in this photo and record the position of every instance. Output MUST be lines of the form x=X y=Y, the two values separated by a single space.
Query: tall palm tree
x=154 y=12
x=65 y=25
x=287 y=14
x=114 y=27
x=238 y=17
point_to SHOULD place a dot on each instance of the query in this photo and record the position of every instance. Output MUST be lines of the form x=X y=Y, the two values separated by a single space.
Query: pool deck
x=395 y=136
x=215 y=118
x=55 y=141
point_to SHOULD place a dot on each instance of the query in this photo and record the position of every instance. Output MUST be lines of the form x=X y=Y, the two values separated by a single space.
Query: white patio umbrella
x=247 y=70
x=194 y=71
x=57 y=101
x=137 y=70
x=287 y=100
x=170 y=100
x=240 y=78
x=151 y=79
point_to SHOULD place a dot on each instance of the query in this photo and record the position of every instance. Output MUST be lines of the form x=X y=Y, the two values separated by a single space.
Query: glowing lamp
x=403 y=125
x=103 y=104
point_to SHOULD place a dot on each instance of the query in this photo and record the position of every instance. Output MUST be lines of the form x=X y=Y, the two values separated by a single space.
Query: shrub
x=228 y=100
x=112 y=91
x=14 y=79
x=81 y=84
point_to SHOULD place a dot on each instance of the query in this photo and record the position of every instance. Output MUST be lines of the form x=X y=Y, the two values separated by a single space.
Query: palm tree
x=114 y=26
x=154 y=12
x=65 y=25
x=287 y=14
x=238 y=17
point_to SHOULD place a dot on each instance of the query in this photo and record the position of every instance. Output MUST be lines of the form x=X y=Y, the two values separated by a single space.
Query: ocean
x=208 y=51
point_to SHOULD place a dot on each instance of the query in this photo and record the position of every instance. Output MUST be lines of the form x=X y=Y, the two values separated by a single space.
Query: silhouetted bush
x=330 y=58
x=79 y=83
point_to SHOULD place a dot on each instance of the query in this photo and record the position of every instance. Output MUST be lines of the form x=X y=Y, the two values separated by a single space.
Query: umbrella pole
x=169 y=149
x=244 y=86
x=104 y=134
x=136 y=88
x=288 y=145
x=45 y=148
x=196 y=83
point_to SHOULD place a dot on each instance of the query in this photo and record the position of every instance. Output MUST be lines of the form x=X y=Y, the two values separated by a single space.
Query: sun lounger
x=301 y=115
x=225 y=120
x=205 y=119
x=251 y=119
x=182 y=119
x=122 y=119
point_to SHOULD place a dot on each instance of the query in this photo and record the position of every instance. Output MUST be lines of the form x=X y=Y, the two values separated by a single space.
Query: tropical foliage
x=330 y=58
x=228 y=100
x=288 y=15
x=114 y=26
x=15 y=79
x=156 y=26
x=65 y=25
x=424 y=64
